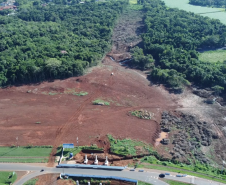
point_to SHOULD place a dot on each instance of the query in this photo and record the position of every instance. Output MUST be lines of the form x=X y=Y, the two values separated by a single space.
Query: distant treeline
x=172 y=38
x=218 y=3
x=45 y=42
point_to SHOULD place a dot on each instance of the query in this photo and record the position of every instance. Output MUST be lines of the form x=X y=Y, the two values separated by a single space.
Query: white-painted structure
x=106 y=161
x=86 y=160
x=96 y=161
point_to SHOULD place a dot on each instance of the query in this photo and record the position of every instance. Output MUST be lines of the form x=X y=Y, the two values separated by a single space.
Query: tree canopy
x=172 y=37
x=55 y=41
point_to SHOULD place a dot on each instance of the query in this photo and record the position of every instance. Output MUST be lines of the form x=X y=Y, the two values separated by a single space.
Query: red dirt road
x=38 y=118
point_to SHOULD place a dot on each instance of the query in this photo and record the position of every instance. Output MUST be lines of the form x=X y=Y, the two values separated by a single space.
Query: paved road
x=149 y=176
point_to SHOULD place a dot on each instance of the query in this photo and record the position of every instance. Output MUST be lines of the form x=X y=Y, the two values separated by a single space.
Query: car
x=167 y=173
x=162 y=175
x=141 y=171
x=41 y=170
x=178 y=175
x=132 y=170
x=184 y=175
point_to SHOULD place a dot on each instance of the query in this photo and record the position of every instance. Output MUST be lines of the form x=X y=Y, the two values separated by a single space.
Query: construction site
x=113 y=99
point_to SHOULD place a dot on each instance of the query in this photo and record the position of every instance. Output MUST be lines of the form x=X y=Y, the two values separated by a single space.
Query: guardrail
x=100 y=177
x=118 y=168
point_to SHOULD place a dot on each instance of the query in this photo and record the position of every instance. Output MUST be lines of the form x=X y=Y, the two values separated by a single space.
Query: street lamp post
x=17 y=142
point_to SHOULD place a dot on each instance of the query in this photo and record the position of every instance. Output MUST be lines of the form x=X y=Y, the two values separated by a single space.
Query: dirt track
x=37 y=118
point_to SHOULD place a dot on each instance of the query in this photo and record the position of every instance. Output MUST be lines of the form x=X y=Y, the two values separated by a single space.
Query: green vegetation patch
x=82 y=93
x=76 y=150
x=213 y=56
x=143 y=183
x=31 y=182
x=197 y=169
x=132 y=2
x=28 y=151
x=100 y=102
x=135 y=7
x=128 y=147
x=181 y=171
x=7 y=178
x=142 y=114
x=171 y=182
x=24 y=160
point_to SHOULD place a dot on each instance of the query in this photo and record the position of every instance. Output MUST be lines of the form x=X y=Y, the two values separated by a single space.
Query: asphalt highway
x=149 y=176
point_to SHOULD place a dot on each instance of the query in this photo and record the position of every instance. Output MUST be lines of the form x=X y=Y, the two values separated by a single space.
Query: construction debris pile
x=190 y=134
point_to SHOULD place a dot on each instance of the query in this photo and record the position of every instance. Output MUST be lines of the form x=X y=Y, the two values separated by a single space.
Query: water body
x=214 y=13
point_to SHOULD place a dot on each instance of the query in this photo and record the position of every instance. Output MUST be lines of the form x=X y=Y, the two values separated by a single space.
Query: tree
x=217 y=89
x=52 y=66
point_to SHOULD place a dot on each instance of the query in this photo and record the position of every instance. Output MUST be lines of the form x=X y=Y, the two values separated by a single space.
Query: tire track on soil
x=61 y=131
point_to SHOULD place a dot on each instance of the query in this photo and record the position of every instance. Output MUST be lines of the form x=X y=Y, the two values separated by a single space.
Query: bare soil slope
x=37 y=113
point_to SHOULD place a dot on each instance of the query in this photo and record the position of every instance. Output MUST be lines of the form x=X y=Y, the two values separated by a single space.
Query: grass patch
x=198 y=170
x=31 y=182
x=132 y=1
x=53 y=93
x=180 y=171
x=7 y=177
x=184 y=5
x=128 y=147
x=100 y=102
x=76 y=150
x=143 y=183
x=67 y=91
x=213 y=56
x=135 y=7
x=171 y=182
x=29 y=151
x=82 y=93
x=24 y=160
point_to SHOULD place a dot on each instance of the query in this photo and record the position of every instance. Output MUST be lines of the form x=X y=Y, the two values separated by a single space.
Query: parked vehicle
x=141 y=171
x=178 y=175
x=132 y=170
x=162 y=175
x=167 y=173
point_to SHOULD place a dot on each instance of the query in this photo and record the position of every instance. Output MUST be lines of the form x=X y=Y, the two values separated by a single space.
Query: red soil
x=63 y=117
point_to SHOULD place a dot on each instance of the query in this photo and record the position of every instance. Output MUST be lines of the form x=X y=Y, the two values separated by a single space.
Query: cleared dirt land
x=36 y=114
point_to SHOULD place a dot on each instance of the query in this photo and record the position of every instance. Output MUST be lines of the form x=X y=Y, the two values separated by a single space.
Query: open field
x=214 y=13
x=7 y=177
x=24 y=154
x=213 y=56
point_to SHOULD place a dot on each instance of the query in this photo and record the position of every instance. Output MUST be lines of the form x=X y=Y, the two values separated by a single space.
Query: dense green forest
x=172 y=37
x=55 y=41
x=218 y=3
